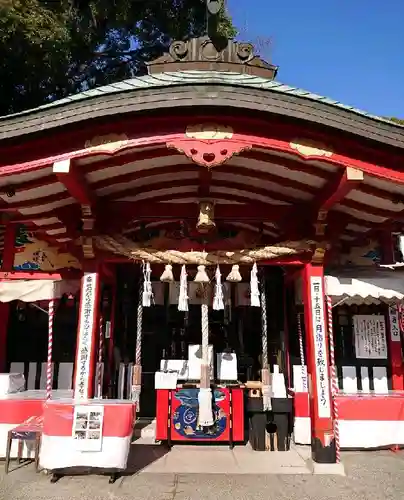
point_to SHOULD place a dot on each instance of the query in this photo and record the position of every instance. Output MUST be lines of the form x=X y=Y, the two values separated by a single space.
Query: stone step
x=145 y=429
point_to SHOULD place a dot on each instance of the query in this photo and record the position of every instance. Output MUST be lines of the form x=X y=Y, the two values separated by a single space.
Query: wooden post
x=8 y=265
x=87 y=336
x=322 y=440
x=395 y=353
x=387 y=247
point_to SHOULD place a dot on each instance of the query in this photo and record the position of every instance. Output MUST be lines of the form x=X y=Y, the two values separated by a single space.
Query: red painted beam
x=205 y=179
x=153 y=210
x=244 y=188
x=336 y=190
x=270 y=175
x=332 y=194
x=75 y=182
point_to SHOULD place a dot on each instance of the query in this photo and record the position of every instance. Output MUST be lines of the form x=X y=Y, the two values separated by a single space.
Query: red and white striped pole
x=334 y=380
x=301 y=349
x=100 y=348
x=49 y=372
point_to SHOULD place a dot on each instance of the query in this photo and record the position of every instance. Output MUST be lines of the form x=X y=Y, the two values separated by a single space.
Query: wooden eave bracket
x=333 y=194
x=76 y=184
x=88 y=230
x=319 y=253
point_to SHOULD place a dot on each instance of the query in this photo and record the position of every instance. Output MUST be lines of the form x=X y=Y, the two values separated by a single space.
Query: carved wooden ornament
x=309 y=148
x=209 y=144
x=106 y=143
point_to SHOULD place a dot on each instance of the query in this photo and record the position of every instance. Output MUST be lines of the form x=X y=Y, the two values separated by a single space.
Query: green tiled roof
x=200 y=77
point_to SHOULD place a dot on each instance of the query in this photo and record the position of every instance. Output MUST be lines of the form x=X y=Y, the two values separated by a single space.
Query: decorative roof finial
x=213 y=52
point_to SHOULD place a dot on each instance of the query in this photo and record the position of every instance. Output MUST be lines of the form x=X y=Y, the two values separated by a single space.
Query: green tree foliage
x=400 y=121
x=52 y=48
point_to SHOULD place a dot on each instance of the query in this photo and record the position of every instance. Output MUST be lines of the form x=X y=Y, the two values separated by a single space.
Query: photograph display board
x=87 y=427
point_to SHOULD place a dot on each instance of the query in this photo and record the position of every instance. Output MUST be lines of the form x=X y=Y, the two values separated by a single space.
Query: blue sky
x=349 y=50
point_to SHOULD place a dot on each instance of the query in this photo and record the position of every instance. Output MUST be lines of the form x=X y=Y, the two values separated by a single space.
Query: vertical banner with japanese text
x=85 y=335
x=395 y=356
x=395 y=334
x=320 y=347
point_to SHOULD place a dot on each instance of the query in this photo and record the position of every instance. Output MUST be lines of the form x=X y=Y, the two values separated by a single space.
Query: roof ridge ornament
x=203 y=54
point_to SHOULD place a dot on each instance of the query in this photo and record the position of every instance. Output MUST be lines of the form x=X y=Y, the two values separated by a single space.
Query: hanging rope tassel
x=147 y=295
x=218 y=302
x=334 y=381
x=255 y=294
x=265 y=375
x=205 y=414
x=183 y=297
x=49 y=371
x=301 y=349
x=137 y=369
x=167 y=276
x=201 y=276
x=234 y=276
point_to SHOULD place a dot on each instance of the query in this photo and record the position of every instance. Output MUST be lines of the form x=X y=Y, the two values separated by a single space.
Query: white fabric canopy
x=370 y=287
x=34 y=290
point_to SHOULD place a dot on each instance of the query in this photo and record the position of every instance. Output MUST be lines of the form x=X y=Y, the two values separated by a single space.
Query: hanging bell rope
x=183 y=297
x=265 y=375
x=255 y=294
x=137 y=369
x=205 y=413
x=218 y=302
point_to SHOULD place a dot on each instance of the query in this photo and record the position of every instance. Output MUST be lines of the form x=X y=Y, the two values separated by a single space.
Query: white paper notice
x=370 y=336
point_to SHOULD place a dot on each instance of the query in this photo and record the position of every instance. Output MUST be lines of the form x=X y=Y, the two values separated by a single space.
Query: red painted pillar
x=322 y=434
x=395 y=353
x=8 y=264
x=87 y=336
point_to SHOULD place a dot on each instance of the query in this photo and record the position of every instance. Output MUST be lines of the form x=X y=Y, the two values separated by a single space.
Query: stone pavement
x=369 y=476
x=216 y=460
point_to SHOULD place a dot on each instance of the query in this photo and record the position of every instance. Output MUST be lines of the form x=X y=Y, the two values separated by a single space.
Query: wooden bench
x=30 y=430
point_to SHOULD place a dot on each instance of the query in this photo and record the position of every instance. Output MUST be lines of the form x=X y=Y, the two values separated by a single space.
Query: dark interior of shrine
x=166 y=332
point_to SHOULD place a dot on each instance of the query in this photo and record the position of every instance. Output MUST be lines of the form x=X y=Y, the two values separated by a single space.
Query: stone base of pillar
x=323 y=454
x=328 y=469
